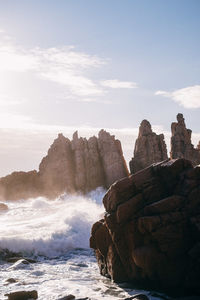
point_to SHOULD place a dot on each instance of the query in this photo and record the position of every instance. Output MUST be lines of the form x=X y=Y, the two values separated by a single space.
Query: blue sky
x=88 y=64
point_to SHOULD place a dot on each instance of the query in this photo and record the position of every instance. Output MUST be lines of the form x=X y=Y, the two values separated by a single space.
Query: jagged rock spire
x=181 y=145
x=149 y=148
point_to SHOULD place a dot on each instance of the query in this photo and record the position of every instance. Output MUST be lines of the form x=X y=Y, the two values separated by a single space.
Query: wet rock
x=138 y=297
x=11 y=280
x=149 y=148
x=3 y=207
x=22 y=295
x=69 y=297
x=151 y=229
x=20 y=264
x=181 y=145
x=24 y=259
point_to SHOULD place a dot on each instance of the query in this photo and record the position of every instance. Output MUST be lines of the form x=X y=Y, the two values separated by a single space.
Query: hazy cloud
x=188 y=97
x=117 y=84
x=65 y=66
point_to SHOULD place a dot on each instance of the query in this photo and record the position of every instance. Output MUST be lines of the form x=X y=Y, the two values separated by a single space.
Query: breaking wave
x=50 y=227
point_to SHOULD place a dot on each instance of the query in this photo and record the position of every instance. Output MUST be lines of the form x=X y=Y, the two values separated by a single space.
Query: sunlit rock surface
x=181 y=145
x=151 y=229
x=149 y=148
x=79 y=165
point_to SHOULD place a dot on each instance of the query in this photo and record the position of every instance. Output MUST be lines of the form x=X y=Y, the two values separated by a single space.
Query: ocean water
x=56 y=233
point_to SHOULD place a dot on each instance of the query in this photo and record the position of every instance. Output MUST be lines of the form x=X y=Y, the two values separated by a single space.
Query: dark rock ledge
x=150 y=234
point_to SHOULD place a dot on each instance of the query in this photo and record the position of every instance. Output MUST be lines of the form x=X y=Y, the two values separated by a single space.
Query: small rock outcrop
x=22 y=295
x=149 y=148
x=20 y=185
x=181 y=145
x=3 y=207
x=151 y=229
x=79 y=165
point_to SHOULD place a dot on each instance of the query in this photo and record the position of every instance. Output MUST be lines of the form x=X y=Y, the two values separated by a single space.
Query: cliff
x=181 y=145
x=79 y=165
x=149 y=148
x=151 y=229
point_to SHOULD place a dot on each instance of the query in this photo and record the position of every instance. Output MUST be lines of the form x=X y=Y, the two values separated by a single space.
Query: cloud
x=117 y=84
x=70 y=69
x=5 y=100
x=16 y=59
x=62 y=65
x=188 y=97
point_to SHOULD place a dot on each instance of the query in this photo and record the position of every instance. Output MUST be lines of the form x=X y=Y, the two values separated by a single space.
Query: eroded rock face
x=89 y=172
x=151 y=229
x=20 y=185
x=112 y=158
x=181 y=145
x=79 y=165
x=56 y=170
x=149 y=148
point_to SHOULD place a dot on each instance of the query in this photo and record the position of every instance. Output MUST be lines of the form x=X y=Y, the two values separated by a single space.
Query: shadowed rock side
x=181 y=145
x=79 y=165
x=112 y=158
x=151 y=229
x=149 y=148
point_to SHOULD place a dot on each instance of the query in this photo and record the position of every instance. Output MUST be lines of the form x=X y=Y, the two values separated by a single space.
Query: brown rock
x=89 y=173
x=149 y=148
x=3 y=207
x=22 y=295
x=181 y=145
x=79 y=165
x=20 y=185
x=68 y=297
x=56 y=170
x=114 y=164
x=151 y=229
x=11 y=280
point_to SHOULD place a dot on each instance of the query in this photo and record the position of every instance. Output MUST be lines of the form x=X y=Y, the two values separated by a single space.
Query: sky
x=88 y=64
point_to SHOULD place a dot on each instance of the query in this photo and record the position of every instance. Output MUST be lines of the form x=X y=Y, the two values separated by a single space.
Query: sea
x=55 y=233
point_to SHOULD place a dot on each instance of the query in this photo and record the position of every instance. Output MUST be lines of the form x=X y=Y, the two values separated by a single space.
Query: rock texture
x=151 y=230
x=181 y=145
x=56 y=170
x=70 y=166
x=112 y=157
x=20 y=185
x=149 y=148
x=23 y=295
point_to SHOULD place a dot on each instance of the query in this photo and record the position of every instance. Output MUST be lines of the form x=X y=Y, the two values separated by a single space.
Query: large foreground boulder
x=150 y=234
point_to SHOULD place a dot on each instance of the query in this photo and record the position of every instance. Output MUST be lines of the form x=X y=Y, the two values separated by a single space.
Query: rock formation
x=20 y=185
x=79 y=165
x=181 y=145
x=149 y=148
x=56 y=170
x=151 y=229
x=112 y=158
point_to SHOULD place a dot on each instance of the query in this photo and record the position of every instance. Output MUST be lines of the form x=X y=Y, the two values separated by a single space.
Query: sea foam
x=50 y=227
